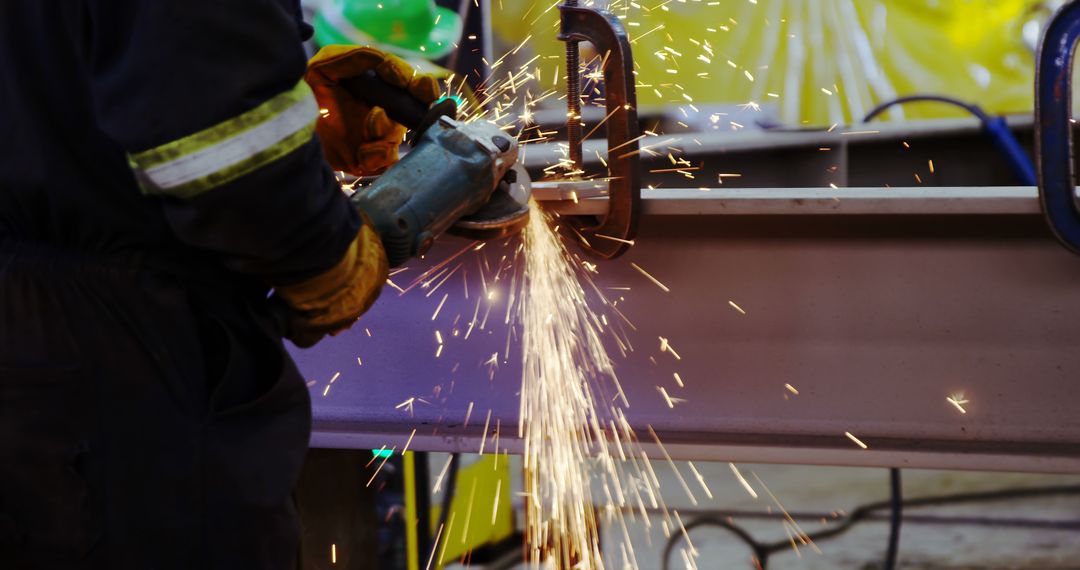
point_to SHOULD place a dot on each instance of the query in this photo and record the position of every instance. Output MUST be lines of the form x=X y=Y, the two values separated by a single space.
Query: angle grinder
x=480 y=190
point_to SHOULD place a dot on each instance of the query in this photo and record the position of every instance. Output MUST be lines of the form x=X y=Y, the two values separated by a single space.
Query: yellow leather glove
x=357 y=137
x=333 y=300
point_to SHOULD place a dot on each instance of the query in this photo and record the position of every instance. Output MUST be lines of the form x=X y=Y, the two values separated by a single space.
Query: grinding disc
x=505 y=214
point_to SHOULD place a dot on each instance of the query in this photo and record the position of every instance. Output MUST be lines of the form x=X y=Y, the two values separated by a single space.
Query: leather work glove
x=332 y=301
x=357 y=136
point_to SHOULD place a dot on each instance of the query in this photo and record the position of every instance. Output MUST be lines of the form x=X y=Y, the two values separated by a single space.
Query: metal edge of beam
x=983 y=459
x=696 y=143
x=585 y=199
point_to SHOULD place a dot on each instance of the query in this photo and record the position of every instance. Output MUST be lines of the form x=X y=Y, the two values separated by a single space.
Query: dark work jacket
x=149 y=415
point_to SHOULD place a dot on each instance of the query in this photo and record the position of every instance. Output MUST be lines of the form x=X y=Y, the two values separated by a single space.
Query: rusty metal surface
x=606 y=33
x=875 y=320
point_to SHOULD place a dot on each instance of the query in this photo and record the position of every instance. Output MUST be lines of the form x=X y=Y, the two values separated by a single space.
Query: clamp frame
x=1053 y=125
x=604 y=31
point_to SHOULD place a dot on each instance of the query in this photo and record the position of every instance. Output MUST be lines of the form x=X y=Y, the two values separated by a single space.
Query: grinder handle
x=398 y=103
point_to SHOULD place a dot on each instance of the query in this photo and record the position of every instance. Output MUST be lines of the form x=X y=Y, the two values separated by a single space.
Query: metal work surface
x=579 y=198
x=874 y=319
x=874 y=155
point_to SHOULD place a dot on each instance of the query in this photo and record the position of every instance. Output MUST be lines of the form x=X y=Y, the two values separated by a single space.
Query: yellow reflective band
x=192 y=165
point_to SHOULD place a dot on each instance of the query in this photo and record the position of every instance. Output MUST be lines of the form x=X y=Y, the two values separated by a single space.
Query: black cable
x=762 y=551
x=896 y=516
x=973 y=109
x=1016 y=157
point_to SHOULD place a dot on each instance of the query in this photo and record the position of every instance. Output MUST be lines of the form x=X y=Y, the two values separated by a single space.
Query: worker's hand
x=332 y=301
x=357 y=137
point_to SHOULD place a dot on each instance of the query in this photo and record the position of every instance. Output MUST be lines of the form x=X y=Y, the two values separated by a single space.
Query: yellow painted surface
x=822 y=61
x=477 y=517
x=412 y=544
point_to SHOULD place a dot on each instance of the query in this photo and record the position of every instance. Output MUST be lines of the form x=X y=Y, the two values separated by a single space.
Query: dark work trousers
x=144 y=423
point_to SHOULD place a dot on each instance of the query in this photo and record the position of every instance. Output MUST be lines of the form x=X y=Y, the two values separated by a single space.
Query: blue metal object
x=1015 y=155
x=1053 y=134
x=996 y=128
x=452 y=172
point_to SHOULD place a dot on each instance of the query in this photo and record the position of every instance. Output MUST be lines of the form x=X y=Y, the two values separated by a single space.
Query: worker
x=427 y=36
x=417 y=30
x=159 y=174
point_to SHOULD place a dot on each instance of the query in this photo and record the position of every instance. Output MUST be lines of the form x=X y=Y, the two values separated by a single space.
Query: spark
x=958 y=401
x=407 y=404
x=442 y=474
x=686 y=535
x=679 y=380
x=409 y=441
x=791 y=389
x=671 y=463
x=701 y=480
x=667 y=398
x=439 y=308
x=567 y=374
x=487 y=422
x=857 y=441
x=431 y=557
x=375 y=456
x=333 y=553
x=665 y=346
x=468 y=414
x=612 y=238
x=803 y=537
x=650 y=277
x=376 y=473
x=743 y=481
x=736 y=307
x=468 y=511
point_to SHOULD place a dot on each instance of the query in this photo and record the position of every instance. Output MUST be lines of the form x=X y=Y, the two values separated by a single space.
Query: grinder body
x=452 y=171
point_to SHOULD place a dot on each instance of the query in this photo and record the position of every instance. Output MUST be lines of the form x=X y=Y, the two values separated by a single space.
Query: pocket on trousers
x=48 y=432
x=249 y=370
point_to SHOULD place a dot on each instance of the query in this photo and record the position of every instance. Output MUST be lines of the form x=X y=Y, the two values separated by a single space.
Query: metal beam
x=874 y=318
x=586 y=198
x=875 y=155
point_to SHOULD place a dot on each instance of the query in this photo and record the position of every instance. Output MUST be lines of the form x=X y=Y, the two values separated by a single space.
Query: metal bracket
x=604 y=31
x=1053 y=125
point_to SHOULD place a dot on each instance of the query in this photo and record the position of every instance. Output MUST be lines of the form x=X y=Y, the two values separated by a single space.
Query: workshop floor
x=1042 y=533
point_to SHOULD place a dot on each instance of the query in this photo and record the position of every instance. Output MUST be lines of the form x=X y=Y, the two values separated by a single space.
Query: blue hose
x=998 y=130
